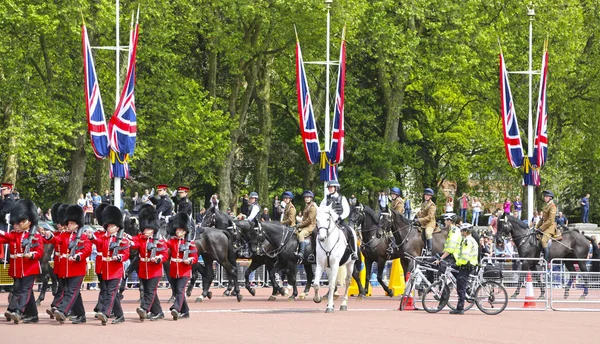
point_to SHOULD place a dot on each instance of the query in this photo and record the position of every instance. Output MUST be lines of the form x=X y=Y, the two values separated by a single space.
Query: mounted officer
x=340 y=204
x=289 y=212
x=426 y=219
x=184 y=205
x=397 y=203
x=308 y=225
x=547 y=226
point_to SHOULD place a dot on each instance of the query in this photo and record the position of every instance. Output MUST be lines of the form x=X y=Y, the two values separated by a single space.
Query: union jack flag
x=308 y=126
x=93 y=101
x=336 y=152
x=512 y=138
x=328 y=171
x=122 y=126
x=540 y=149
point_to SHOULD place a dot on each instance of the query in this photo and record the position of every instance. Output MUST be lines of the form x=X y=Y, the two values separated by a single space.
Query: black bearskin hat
x=148 y=218
x=98 y=212
x=112 y=215
x=60 y=214
x=24 y=210
x=74 y=213
x=54 y=212
x=180 y=220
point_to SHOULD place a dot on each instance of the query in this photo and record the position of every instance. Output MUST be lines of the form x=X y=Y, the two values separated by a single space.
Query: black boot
x=313 y=243
x=429 y=247
x=301 y=249
x=351 y=244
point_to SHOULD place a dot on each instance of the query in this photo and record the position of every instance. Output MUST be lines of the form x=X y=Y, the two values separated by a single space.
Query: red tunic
x=20 y=266
x=83 y=250
x=98 y=263
x=111 y=268
x=178 y=268
x=58 y=267
x=147 y=268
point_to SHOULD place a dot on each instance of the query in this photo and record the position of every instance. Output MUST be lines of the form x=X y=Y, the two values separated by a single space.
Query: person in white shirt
x=340 y=204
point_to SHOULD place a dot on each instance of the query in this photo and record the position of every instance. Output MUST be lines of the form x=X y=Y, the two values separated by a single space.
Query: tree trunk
x=12 y=162
x=264 y=108
x=102 y=176
x=78 y=164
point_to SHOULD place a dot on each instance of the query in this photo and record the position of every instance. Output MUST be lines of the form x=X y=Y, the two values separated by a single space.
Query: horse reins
x=328 y=253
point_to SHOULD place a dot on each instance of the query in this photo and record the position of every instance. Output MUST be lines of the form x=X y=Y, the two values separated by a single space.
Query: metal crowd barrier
x=577 y=282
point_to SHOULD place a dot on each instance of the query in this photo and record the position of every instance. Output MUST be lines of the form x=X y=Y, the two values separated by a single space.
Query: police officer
x=426 y=218
x=184 y=205
x=289 y=212
x=452 y=241
x=547 y=226
x=397 y=201
x=340 y=204
x=466 y=260
x=307 y=226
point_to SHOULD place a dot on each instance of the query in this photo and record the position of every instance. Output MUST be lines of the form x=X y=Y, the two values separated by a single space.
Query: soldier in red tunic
x=184 y=254
x=75 y=248
x=58 y=217
x=114 y=247
x=98 y=263
x=152 y=252
x=26 y=249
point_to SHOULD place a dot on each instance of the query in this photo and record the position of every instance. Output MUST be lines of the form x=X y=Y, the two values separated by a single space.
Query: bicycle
x=417 y=280
x=489 y=296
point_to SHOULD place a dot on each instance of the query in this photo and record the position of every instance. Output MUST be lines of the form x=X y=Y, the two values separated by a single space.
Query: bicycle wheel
x=453 y=299
x=435 y=297
x=491 y=298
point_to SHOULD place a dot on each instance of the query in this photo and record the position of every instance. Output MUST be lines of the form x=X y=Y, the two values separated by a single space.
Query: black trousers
x=22 y=299
x=72 y=297
x=110 y=300
x=59 y=292
x=102 y=287
x=462 y=281
x=180 y=303
x=150 y=301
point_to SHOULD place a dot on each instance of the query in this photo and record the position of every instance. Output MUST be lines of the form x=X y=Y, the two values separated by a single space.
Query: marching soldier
x=184 y=205
x=308 y=224
x=75 y=248
x=26 y=251
x=397 y=201
x=183 y=255
x=115 y=250
x=289 y=212
x=152 y=251
x=426 y=218
x=58 y=216
x=547 y=226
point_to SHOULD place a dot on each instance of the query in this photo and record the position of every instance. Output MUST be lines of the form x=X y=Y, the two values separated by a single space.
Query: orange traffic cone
x=529 y=300
x=409 y=301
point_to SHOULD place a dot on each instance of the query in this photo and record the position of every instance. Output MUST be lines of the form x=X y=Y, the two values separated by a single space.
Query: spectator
x=536 y=218
x=585 y=208
x=464 y=205
x=500 y=250
x=81 y=201
x=276 y=207
x=88 y=209
x=48 y=215
x=264 y=217
x=449 y=205
x=485 y=247
x=518 y=206
x=476 y=205
x=506 y=206
x=245 y=204
x=407 y=208
x=561 y=220
x=214 y=203
x=137 y=203
x=200 y=215
x=107 y=198
x=383 y=201
x=147 y=196
x=96 y=200
x=493 y=222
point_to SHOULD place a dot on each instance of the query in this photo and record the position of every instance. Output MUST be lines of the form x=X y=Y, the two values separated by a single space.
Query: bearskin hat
x=54 y=211
x=148 y=218
x=24 y=210
x=180 y=220
x=60 y=214
x=112 y=215
x=98 y=212
x=74 y=213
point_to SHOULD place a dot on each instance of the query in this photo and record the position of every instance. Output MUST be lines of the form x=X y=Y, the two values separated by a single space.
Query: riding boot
x=313 y=243
x=351 y=244
x=546 y=251
x=301 y=249
x=429 y=247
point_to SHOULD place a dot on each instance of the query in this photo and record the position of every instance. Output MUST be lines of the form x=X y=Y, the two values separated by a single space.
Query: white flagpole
x=117 y=183
x=530 y=188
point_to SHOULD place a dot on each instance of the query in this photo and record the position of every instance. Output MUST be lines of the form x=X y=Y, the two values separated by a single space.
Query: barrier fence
x=574 y=290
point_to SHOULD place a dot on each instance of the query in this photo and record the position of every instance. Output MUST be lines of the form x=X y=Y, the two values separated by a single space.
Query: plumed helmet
x=253 y=195
x=428 y=191
x=396 y=191
x=148 y=218
x=180 y=220
x=450 y=216
x=308 y=193
x=24 y=210
x=467 y=227
x=98 y=212
x=548 y=193
x=54 y=212
x=112 y=215
x=333 y=183
x=287 y=194
x=74 y=213
x=61 y=214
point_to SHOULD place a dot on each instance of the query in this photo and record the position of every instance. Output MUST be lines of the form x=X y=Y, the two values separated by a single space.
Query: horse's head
x=357 y=216
x=326 y=222
x=505 y=229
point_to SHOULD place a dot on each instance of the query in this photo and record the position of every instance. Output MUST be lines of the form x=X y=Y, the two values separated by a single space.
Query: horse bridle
x=328 y=253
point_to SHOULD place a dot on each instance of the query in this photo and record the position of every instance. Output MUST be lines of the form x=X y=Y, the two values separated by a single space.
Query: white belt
x=177 y=260
x=108 y=259
x=57 y=254
x=99 y=254
x=18 y=255
x=145 y=259
x=64 y=256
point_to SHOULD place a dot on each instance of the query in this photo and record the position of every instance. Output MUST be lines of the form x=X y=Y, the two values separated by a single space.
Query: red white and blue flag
x=308 y=126
x=336 y=151
x=512 y=138
x=93 y=101
x=122 y=127
x=328 y=171
x=540 y=149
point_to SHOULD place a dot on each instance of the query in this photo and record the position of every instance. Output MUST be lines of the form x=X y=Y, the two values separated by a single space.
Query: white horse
x=331 y=254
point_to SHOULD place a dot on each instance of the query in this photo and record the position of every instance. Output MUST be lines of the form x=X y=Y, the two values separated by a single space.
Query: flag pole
x=327 y=65
x=117 y=180
x=530 y=188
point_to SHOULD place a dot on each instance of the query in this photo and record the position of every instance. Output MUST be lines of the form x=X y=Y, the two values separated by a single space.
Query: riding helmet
x=333 y=183
x=253 y=195
x=428 y=191
x=450 y=216
x=112 y=215
x=396 y=191
x=548 y=193
x=24 y=210
x=308 y=193
x=74 y=213
x=287 y=194
x=467 y=227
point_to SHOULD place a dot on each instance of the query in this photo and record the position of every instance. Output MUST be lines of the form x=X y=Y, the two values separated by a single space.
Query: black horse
x=47 y=274
x=573 y=245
